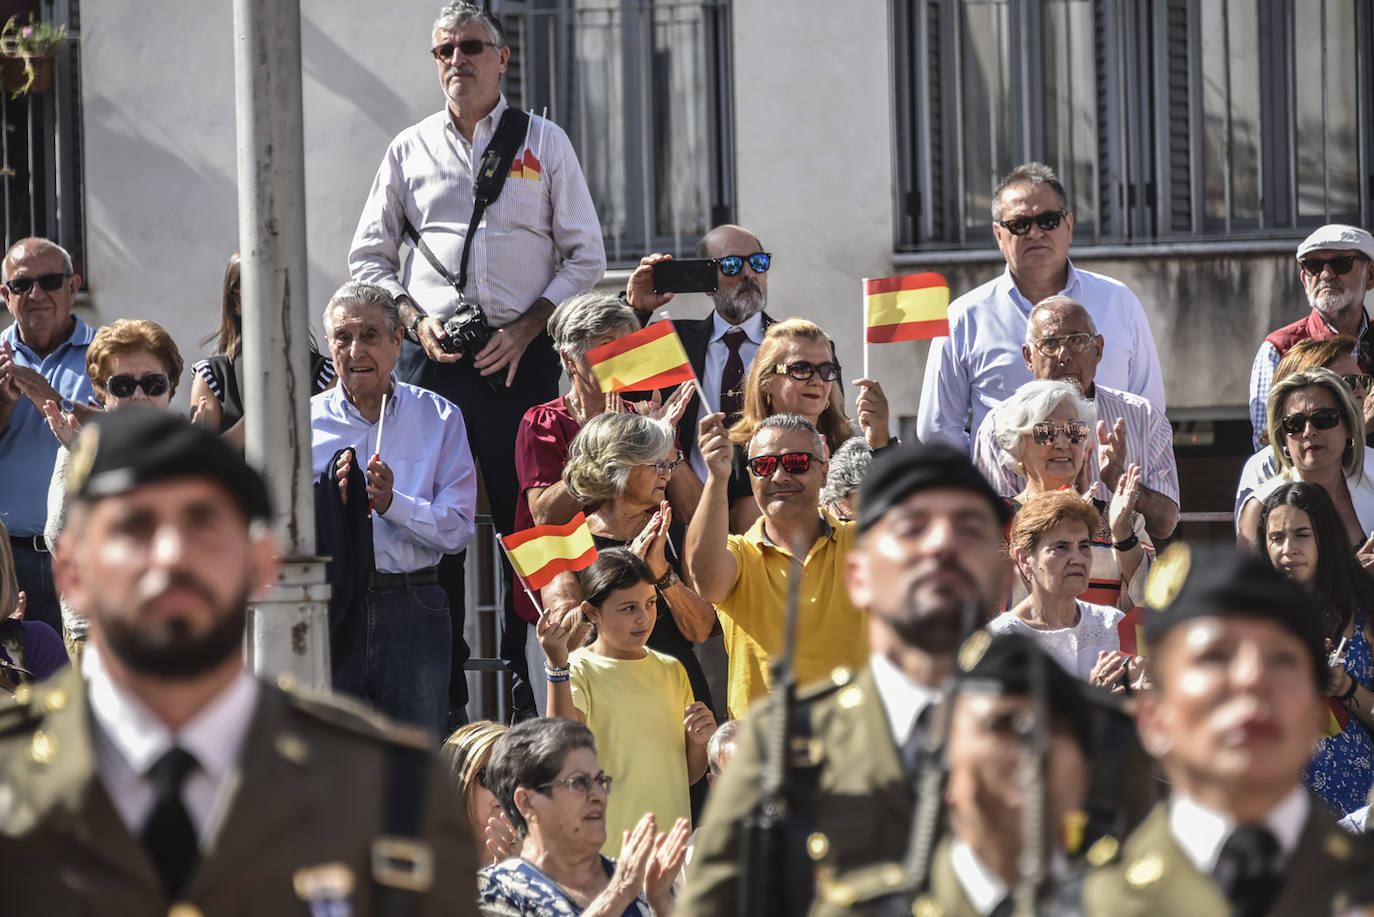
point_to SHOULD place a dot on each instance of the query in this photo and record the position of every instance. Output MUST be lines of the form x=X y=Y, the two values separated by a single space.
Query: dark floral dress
x=517 y=888
x=1341 y=771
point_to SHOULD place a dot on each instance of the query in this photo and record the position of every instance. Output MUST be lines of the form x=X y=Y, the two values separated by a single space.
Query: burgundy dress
x=541 y=450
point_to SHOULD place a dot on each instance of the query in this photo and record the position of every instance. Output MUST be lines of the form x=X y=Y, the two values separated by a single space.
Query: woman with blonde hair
x=466 y=753
x=795 y=372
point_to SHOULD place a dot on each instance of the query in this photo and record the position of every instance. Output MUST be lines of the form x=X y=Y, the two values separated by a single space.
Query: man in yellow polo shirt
x=745 y=576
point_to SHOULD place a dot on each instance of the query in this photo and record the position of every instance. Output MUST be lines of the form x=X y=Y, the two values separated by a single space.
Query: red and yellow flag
x=912 y=307
x=649 y=359
x=1336 y=718
x=541 y=553
x=1131 y=630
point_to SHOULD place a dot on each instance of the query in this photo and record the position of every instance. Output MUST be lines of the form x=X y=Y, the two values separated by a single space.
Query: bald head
x=1062 y=342
x=744 y=295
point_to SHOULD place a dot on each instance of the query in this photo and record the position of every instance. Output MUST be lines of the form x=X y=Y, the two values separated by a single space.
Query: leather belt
x=426 y=576
x=30 y=542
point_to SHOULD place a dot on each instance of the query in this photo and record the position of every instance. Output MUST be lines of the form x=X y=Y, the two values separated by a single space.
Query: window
x=40 y=148
x=643 y=90
x=1166 y=119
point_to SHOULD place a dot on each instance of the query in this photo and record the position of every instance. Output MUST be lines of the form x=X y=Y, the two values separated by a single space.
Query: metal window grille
x=643 y=88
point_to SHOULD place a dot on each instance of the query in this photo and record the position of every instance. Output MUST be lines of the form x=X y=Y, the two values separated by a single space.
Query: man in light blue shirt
x=980 y=364
x=42 y=359
x=396 y=644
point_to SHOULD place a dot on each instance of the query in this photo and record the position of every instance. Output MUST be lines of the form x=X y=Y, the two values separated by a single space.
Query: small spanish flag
x=912 y=307
x=525 y=166
x=1336 y=718
x=651 y=358
x=1131 y=630
x=541 y=553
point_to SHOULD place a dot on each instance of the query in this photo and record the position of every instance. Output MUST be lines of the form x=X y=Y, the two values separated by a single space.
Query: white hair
x=1029 y=405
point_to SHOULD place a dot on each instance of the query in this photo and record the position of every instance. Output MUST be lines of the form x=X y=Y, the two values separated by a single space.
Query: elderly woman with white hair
x=848 y=466
x=623 y=464
x=1042 y=435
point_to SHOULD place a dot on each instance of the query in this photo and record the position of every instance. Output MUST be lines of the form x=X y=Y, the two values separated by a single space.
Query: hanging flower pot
x=27 y=73
x=27 y=53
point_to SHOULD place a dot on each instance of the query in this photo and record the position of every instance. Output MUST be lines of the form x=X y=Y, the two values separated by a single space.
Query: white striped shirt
x=1149 y=443
x=544 y=213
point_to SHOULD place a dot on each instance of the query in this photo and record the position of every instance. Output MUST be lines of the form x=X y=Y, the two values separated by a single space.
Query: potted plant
x=28 y=52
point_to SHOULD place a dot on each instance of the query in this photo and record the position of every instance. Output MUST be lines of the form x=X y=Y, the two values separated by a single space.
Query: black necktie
x=1004 y=908
x=914 y=749
x=732 y=377
x=168 y=834
x=1247 y=870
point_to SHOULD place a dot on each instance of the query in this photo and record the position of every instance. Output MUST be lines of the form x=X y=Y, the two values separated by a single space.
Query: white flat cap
x=1339 y=237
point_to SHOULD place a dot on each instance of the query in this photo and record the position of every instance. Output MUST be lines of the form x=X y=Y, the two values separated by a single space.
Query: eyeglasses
x=471 y=47
x=1019 y=226
x=1076 y=343
x=792 y=463
x=1047 y=431
x=1321 y=419
x=49 y=282
x=123 y=385
x=1340 y=264
x=667 y=465
x=730 y=265
x=1356 y=382
x=802 y=370
x=581 y=784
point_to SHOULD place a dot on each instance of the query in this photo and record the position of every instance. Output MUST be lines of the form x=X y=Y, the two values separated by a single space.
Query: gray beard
x=741 y=305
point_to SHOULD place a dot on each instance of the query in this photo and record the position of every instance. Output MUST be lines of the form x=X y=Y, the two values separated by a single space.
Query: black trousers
x=492 y=413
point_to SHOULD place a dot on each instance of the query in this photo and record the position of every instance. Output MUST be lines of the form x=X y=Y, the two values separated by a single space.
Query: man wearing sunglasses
x=721 y=346
x=979 y=364
x=1334 y=267
x=42 y=358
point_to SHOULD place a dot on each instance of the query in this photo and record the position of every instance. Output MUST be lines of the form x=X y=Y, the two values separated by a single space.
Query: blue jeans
x=400 y=662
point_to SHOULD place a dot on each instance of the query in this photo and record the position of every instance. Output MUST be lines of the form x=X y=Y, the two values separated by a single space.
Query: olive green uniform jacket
x=861 y=812
x=302 y=824
x=1153 y=876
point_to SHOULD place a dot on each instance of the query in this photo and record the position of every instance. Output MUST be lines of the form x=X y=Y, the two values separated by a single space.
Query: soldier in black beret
x=1233 y=714
x=168 y=779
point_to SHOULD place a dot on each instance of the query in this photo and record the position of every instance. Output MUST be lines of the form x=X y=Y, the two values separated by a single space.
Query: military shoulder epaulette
x=18 y=712
x=352 y=716
x=839 y=677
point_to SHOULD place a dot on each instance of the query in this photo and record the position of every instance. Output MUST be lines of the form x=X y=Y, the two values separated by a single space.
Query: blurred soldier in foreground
x=164 y=778
x=927 y=562
x=1233 y=714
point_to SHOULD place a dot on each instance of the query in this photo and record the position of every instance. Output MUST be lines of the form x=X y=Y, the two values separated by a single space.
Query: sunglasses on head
x=1321 y=419
x=792 y=463
x=803 y=370
x=730 y=265
x=1356 y=382
x=1077 y=343
x=1340 y=264
x=49 y=282
x=124 y=385
x=471 y=47
x=1048 y=431
x=1019 y=226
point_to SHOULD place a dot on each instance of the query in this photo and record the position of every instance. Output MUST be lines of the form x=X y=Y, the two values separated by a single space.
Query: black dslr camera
x=467 y=331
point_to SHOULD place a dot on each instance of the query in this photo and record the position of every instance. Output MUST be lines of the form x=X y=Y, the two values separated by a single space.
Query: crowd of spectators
x=1042 y=411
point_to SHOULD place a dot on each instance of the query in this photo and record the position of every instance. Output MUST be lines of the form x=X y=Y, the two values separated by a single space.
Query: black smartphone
x=697 y=275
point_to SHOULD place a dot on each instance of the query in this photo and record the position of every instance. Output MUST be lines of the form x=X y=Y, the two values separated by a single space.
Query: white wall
x=161 y=180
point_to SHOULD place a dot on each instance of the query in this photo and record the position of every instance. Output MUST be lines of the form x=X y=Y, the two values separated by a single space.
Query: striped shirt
x=1149 y=443
x=543 y=214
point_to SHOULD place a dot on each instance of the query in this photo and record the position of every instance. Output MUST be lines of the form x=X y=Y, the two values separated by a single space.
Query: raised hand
x=553 y=630
x=1111 y=452
x=1121 y=513
x=699 y=723
x=502 y=842
x=715 y=445
x=871 y=407
x=63 y=426
x=652 y=540
x=669 y=852
x=639 y=289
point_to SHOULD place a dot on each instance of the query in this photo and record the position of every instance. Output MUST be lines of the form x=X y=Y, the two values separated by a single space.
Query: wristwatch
x=66 y=406
x=415 y=323
x=667 y=581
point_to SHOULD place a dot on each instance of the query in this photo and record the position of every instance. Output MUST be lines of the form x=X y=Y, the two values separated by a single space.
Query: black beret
x=900 y=471
x=1008 y=663
x=137 y=445
x=1205 y=581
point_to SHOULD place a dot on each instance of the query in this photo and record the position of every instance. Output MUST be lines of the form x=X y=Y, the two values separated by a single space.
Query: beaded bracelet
x=555 y=671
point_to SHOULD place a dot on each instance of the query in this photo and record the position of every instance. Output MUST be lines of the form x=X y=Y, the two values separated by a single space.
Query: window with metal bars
x=1168 y=120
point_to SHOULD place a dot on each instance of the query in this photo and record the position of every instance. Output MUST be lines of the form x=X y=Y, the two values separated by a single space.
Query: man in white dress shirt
x=169 y=780
x=393 y=646
x=979 y=364
x=1235 y=709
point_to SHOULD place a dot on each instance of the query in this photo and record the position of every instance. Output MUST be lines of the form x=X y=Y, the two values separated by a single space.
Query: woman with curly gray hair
x=1042 y=432
x=623 y=463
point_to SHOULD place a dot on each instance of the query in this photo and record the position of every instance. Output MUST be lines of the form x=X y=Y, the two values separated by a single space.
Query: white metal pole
x=288 y=631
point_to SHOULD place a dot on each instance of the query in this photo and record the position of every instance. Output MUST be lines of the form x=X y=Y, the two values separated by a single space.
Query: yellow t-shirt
x=831 y=631
x=634 y=707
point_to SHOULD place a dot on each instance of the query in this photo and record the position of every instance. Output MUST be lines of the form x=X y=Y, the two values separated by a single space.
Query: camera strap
x=491 y=176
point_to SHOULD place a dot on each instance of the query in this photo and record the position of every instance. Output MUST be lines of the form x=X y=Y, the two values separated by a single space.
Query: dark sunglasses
x=1077 y=343
x=21 y=285
x=802 y=370
x=731 y=265
x=471 y=47
x=792 y=463
x=1357 y=382
x=1321 y=419
x=1019 y=226
x=124 y=385
x=1047 y=431
x=1340 y=264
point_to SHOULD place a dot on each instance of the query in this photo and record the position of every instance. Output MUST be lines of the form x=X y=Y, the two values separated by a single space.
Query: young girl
x=651 y=733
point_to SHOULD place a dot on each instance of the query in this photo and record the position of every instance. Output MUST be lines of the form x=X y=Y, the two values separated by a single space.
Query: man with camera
x=490 y=201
